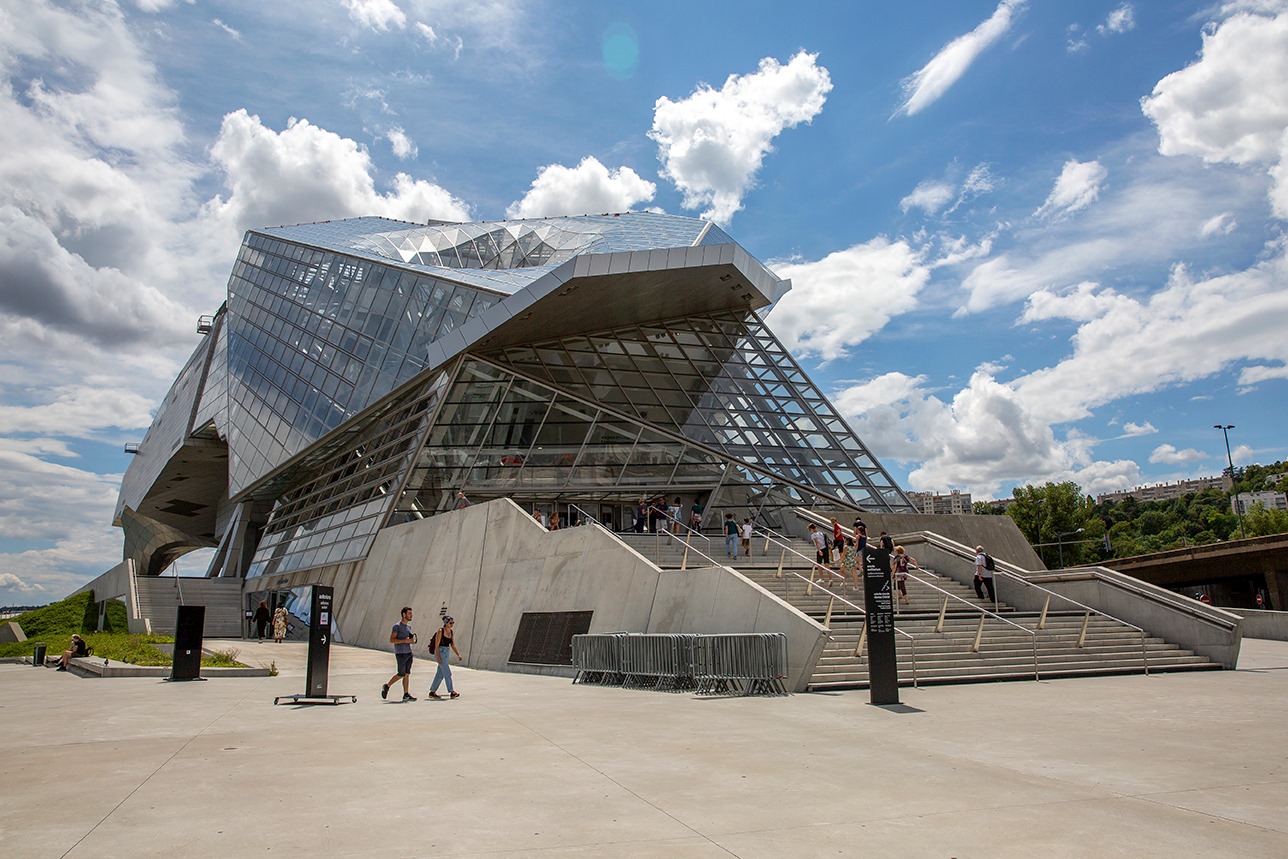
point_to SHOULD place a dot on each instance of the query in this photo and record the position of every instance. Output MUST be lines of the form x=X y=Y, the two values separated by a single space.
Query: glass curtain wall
x=315 y=336
x=500 y=434
x=726 y=382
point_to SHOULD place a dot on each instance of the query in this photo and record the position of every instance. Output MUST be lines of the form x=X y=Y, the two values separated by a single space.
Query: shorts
x=902 y=584
x=404 y=662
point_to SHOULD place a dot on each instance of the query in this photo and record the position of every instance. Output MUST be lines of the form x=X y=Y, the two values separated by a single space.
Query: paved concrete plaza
x=1171 y=765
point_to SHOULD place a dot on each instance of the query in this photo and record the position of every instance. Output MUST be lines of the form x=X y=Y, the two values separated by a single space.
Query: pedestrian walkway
x=1170 y=765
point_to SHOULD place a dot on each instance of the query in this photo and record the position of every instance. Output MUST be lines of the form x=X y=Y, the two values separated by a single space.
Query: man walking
x=984 y=567
x=731 y=536
x=402 y=638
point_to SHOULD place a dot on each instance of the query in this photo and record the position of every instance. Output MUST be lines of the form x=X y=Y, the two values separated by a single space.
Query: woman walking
x=279 y=624
x=849 y=565
x=902 y=561
x=443 y=646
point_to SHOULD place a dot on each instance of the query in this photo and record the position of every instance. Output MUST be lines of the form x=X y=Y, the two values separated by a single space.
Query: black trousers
x=980 y=584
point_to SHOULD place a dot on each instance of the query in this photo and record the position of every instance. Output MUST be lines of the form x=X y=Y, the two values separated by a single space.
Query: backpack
x=989 y=563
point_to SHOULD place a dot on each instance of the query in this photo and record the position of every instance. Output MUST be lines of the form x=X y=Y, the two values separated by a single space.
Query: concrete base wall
x=1258 y=623
x=490 y=563
x=1203 y=629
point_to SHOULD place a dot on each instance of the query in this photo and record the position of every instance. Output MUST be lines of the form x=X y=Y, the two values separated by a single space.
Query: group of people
x=847 y=549
x=441 y=648
x=278 y=618
x=737 y=536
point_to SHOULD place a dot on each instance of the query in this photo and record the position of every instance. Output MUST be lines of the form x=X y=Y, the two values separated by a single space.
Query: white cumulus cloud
x=931 y=196
x=712 y=143
x=294 y=175
x=929 y=83
x=1131 y=429
x=590 y=187
x=1120 y=20
x=1167 y=454
x=1231 y=105
x=1219 y=225
x=379 y=15
x=842 y=299
x=403 y=146
x=1077 y=188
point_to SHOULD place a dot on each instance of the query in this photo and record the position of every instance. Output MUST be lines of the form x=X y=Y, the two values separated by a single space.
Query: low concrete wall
x=1258 y=623
x=1203 y=629
x=490 y=563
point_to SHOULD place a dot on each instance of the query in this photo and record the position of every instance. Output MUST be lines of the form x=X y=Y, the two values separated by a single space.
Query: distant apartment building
x=954 y=502
x=1245 y=501
x=1164 y=491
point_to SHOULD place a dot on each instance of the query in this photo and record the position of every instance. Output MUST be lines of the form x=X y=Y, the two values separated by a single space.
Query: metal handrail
x=767 y=533
x=945 y=544
x=811 y=516
x=1180 y=602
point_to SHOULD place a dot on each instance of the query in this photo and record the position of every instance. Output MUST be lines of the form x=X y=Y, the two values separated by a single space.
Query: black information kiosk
x=189 y=630
x=878 y=598
x=315 y=680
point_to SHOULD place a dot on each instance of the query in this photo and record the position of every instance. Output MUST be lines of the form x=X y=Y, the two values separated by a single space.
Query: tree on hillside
x=1260 y=522
x=1053 y=514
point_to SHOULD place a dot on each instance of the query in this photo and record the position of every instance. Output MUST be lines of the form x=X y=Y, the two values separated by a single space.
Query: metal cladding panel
x=170 y=428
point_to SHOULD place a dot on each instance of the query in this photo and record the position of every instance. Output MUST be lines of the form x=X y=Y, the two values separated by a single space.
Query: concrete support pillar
x=1277 y=584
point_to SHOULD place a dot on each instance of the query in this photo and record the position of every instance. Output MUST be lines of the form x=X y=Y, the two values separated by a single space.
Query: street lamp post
x=1238 y=508
x=1060 y=542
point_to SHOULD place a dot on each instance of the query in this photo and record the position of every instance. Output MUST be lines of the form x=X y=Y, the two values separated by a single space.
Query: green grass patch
x=54 y=624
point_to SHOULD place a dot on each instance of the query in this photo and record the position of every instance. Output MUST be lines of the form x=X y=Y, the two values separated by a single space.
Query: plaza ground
x=1170 y=765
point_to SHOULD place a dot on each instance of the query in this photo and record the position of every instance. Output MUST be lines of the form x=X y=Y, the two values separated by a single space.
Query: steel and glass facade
x=363 y=371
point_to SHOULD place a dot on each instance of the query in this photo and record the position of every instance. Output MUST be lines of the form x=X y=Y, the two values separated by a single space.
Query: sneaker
x=407 y=696
x=384 y=690
x=455 y=694
x=435 y=696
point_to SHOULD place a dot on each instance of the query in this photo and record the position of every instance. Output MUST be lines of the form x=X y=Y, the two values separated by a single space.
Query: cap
x=448 y=619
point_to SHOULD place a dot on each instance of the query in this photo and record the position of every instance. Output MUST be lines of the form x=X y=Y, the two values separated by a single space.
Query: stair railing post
x=863 y=640
x=979 y=634
x=943 y=612
x=684 y=560
x=1036 y=675
x=1144 y=652
x=827 y=621
x=781 y=560
x=1082 y=636
x=1042 y=619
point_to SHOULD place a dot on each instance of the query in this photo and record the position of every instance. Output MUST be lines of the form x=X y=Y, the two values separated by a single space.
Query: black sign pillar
x=878 y=598
x=319 y=642
x=189 y=629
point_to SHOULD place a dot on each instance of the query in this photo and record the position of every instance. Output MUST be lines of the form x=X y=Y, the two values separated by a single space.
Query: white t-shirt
x=818 y=539
x=983 y=571
x=746 y=531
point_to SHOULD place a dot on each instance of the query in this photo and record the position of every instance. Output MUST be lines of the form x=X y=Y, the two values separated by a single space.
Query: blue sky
x=1029 y=241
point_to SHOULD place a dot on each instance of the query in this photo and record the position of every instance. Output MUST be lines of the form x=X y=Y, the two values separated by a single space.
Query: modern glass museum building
x=363 y=372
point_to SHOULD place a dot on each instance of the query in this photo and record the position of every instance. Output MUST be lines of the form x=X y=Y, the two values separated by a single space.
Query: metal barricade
x=738 y=663
x=658 y=661
x=598 y=658
x=741 y=663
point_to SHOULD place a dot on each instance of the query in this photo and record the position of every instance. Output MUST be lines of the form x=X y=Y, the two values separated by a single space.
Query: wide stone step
x=926 y=679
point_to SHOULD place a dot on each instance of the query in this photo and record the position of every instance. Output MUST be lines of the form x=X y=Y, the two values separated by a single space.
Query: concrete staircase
x=1007 y=643
x=160 y=596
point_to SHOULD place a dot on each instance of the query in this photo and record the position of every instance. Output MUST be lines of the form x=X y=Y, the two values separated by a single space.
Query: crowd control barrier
x=739 y=663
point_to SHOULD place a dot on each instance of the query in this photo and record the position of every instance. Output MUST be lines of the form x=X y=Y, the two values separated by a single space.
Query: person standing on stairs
x=902 y=561
x=849 y=565
x=984 y=574
x=731 y=536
